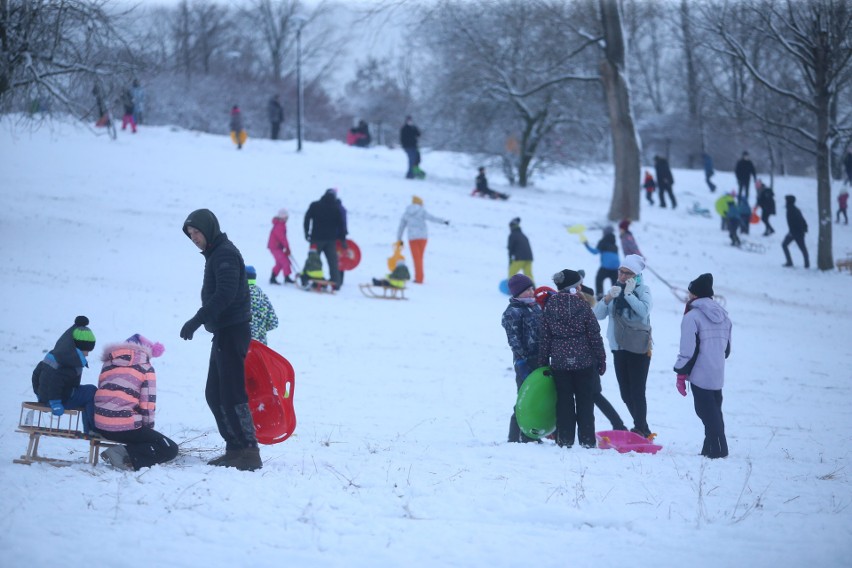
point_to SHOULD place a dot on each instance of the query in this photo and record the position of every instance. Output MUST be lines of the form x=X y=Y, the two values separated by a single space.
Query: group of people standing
x=559 y=329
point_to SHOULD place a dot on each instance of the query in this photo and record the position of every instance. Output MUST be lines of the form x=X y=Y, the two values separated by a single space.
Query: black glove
x=189 y=327
x=446 y=222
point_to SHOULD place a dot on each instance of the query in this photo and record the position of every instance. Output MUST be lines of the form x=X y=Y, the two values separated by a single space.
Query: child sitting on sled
x=395 y=279
x=313 y=270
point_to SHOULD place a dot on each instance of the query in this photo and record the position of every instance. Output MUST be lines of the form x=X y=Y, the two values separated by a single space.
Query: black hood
x=205 y=221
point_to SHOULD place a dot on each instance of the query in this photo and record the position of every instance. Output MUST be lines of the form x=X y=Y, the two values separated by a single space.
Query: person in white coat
x=627 y=305
x=705 y=343
x=414 y=219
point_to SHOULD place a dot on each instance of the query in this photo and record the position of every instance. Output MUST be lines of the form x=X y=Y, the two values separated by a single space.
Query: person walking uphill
x=627 y=306
x=705 y=343
x=665 y=180
x=571 y=344
x=226 y=313
x=522 y=322
x=56 y=378
x=323 y=226
x=409 y=136
x=414 y=219
x=766 y=202
x=125 y=405
x=520 y=252
x=744 y=171
x=796 y=229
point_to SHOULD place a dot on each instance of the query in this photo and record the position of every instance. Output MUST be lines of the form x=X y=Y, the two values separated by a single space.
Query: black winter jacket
x=324 y=221
x=744 y=170
x=519 y=245
x=60 y=371
x=408 y=136
x=225 y=296
x=795 y=220
x=522 y=323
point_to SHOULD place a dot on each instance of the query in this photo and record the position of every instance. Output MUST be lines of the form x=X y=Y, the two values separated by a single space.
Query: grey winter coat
x=640 y=303
x=415 y=218
x=705 y=343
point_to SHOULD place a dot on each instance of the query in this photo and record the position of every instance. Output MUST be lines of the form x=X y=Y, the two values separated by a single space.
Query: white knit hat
x=634 y=263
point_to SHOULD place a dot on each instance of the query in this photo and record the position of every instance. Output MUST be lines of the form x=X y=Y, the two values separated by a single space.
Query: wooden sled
x=37 y=420
x=388 y=292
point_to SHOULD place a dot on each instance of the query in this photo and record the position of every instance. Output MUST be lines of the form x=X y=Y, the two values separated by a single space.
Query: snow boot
x=228 y=455
x=117 y=457
x=272 y=279
x=288 y=280
x=245 y=459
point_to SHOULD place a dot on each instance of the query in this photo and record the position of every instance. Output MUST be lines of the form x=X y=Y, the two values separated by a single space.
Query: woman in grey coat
x=705 y=343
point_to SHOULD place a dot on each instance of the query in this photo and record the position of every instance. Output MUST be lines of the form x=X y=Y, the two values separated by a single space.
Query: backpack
x=631 y=335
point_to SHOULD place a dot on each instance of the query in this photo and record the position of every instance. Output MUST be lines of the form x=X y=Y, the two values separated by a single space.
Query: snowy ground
x=400 y=457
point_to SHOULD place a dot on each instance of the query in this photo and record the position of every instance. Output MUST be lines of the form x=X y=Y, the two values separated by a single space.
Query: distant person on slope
x=238 y=133
x=705 y=343
x=744 y=171
x=796 y=229
x=608 y=251
x=483 y=190
x=628 y=243
x=766 y=202
x=323 y=226
x=665 y=181
x=520 y=252
x=414 y=219
x=409 y=136
x=279 y=246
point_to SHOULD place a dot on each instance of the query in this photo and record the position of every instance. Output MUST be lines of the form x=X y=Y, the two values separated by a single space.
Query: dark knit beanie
x=516 y=222
x=566 y=279
x=518 y=283
x=702 y=287
x=84 y=339
x=251 y=273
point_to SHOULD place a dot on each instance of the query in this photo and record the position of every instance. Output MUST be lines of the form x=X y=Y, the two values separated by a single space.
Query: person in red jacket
x=279 y=246
x=842 y=204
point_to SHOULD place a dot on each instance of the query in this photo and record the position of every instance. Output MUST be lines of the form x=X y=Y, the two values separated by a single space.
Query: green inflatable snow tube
x=535 y=409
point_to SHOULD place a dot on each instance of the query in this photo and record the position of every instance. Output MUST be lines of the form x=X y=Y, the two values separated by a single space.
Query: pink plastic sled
x=623 y=441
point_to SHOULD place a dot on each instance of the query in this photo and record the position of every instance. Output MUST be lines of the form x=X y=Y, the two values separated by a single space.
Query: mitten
x=584 y=239
x=56 y=407
x=602 y=367
x=614 y=292
x=629 y=286
x=189 y=327
x=681 y=384
x=523 y=368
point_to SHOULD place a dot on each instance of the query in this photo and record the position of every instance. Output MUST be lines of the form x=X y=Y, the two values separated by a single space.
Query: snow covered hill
x=400 y=456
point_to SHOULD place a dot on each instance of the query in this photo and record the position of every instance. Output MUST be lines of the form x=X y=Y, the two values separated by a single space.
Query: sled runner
x=348 y=258
x=315 y=285
x=387 y=292
x=696 y=209
x=751 y=246
x=535 y=409
x=270 y=385
x=37 y=421
x=624 y=441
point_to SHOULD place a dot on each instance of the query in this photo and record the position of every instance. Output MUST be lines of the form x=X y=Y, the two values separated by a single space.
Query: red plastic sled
x=348 y=258
x=624 y=441
x=270 y=384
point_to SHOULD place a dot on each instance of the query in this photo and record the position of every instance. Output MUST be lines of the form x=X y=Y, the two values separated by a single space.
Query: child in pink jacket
x=279 y=246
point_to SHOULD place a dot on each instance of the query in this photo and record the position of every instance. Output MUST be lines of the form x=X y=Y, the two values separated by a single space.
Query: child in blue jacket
x=608 y=250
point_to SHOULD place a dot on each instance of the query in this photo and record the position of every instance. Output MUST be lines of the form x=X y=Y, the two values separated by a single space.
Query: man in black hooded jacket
x=797 y=227
x=226 y=313
x=324 y=225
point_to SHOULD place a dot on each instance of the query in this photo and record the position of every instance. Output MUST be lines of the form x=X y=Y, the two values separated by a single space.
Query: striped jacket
x=127 y=389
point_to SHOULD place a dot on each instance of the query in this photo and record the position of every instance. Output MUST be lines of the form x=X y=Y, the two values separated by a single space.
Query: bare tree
x=515 y=62
x=625 y=142
x=52 y=50
x=815 y=39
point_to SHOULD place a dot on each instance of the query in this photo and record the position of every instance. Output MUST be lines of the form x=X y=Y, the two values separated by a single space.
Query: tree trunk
x=625 y=142
x=825 y=258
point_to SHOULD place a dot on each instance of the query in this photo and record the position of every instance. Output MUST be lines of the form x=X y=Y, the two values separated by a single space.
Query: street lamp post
x=300 y=22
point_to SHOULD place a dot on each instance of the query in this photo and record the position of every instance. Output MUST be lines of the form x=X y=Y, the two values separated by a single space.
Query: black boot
x=272 y=279
x=288 y=280
x=245 y=459
x=228 y=455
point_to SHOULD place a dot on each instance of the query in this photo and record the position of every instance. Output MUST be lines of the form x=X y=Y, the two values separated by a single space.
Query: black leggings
x=575 y=406
x=146 y=446
x=631 y=370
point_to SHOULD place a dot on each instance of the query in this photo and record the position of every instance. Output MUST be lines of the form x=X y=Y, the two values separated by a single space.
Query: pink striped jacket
x=127 y=389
